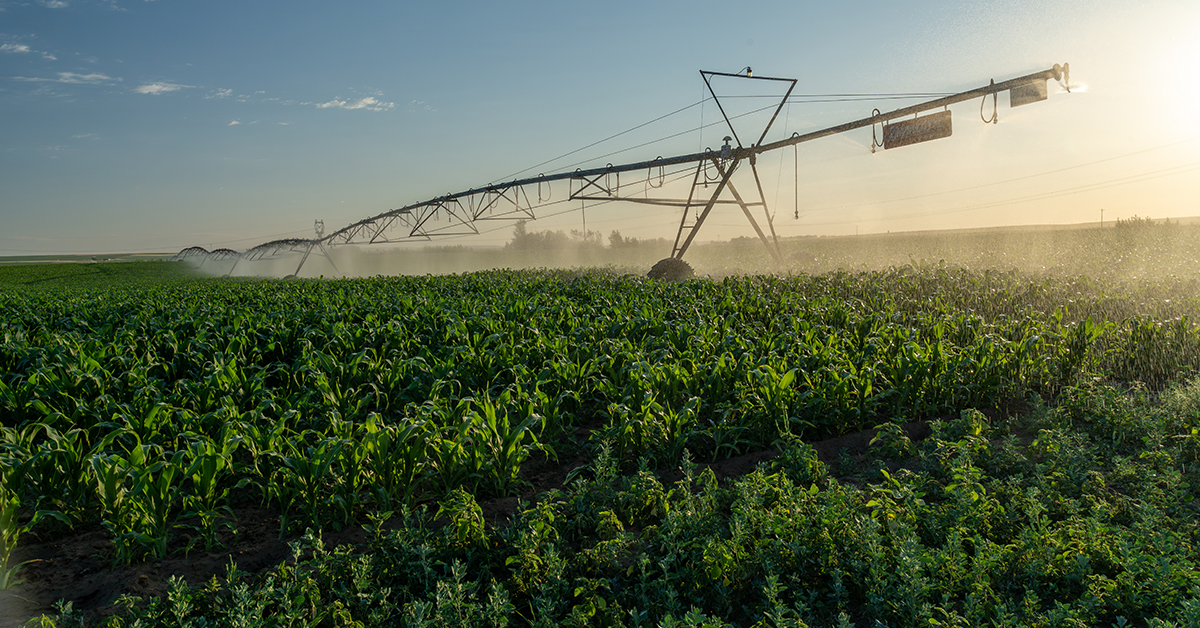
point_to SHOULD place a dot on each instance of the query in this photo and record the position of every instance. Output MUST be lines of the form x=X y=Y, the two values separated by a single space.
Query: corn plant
x=506 y=445
x=111 y=472
x=60 y=471
x=306 y=476
x=207 y=468
x=773 y=396
x=397 y=459
x=350 y=468
x=458 y=457
x=10 y=532
x=152 y=494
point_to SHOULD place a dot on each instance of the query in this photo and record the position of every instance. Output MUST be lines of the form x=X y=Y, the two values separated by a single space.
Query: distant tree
x=617 y=241
x=520 y=234
x=1135 y=223
x=526 y=240
x=587 y=238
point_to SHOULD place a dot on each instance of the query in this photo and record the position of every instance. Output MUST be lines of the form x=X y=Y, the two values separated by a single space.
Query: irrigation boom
x=511 y=200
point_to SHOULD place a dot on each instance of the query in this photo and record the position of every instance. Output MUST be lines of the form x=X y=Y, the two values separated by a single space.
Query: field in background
x=1000 y=428
x=1125 y=249
x=82 y=259
x=1131 y=249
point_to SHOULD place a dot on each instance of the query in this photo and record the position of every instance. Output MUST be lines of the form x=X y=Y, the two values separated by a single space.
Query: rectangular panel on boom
x=1027 y=93
x=931 y=127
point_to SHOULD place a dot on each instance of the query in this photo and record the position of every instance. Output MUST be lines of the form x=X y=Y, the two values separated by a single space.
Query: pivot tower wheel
x=671 y=269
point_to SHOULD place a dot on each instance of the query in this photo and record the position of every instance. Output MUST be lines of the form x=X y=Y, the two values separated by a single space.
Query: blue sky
x=132 y=125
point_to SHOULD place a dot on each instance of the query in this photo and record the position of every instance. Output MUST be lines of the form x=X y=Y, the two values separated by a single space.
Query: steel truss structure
x=463 y=211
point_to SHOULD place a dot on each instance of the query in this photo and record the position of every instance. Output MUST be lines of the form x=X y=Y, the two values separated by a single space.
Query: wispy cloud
x=25 y=49
x=370 y=103
x=219 y=93
x=234 y=123
x=94 y=78
x=54 y=4
x=419 y=104
x=160 y=88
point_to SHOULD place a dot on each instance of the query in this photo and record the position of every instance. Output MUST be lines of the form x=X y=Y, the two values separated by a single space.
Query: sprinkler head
x=1063 y=73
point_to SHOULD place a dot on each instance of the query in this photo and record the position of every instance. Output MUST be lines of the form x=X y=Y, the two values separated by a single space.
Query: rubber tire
x=671 y=269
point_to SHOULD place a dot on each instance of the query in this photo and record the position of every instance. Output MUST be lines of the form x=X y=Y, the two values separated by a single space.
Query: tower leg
x=725 y=175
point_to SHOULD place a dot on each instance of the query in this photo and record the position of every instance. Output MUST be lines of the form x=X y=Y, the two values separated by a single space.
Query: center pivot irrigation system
x=464 y=211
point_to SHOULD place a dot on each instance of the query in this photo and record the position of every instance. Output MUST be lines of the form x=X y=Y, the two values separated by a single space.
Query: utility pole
x=1101 y=217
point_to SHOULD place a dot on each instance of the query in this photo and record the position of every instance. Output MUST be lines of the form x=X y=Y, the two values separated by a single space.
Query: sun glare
x=1182 y=81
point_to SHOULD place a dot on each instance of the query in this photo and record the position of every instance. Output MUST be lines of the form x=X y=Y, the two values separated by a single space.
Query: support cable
x=787 y=116
x=614 y=136
x=704 y=126
x=820 y=98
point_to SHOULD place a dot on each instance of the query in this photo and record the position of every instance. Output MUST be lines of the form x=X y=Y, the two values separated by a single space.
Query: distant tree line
x=1138 y=224
x=525 y=240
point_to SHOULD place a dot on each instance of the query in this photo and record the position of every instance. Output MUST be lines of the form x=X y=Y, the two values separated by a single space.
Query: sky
x=154 y=125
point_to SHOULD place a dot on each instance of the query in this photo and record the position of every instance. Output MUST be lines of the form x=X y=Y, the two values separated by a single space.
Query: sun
x=1181 y=83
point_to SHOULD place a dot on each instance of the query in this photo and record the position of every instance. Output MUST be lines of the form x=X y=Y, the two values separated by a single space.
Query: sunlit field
x=990 y=428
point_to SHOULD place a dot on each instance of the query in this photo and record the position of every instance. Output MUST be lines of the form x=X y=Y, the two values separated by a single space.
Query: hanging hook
x=650 y=173
x=875 y=142
x=612 y=191
x=796 y=180
x=995 y=117
x=708 y=154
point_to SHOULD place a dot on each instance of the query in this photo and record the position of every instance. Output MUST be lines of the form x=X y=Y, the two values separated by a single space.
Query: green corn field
x=1056 y=484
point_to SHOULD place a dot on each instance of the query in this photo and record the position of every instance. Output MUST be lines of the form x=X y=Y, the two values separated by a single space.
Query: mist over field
x=1137 y=249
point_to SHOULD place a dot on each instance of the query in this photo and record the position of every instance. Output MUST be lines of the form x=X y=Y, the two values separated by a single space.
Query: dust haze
x=1136 y=249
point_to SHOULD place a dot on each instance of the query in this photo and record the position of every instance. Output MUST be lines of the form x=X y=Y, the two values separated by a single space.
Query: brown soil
x=78 y=568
